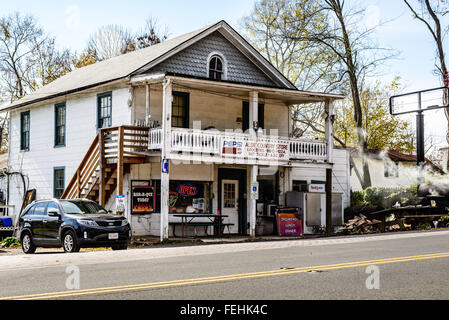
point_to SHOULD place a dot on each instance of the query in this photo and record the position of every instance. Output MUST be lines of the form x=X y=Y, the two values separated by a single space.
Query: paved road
x=410 y=266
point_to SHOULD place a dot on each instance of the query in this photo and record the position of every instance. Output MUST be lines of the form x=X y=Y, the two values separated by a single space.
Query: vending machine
x=313 y=206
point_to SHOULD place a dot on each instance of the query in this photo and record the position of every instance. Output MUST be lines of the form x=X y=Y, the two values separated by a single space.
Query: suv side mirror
x=53 y=213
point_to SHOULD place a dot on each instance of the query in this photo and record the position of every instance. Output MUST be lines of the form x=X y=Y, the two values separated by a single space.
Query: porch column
x=253 y=108
x=290 y=121
x=165 y=162
x=253 y=204
x=147 y=104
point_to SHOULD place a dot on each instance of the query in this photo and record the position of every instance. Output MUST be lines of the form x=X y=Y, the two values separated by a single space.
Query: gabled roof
x=396 y=156
x=142 y=60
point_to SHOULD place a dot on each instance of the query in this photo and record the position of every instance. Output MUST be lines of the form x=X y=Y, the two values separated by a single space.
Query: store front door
x=230 y=201
x=232 y=198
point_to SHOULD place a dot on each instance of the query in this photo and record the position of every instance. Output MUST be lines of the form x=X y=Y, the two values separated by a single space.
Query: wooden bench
x=206 y=225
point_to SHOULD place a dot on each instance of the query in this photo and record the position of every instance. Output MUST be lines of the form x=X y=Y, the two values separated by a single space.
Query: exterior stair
x=109 y=157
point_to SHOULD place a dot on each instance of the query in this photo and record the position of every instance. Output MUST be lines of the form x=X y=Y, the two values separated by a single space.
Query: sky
x=71 y=22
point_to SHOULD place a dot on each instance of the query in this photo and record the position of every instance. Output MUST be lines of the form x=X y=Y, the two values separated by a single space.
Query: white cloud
x=72 y=21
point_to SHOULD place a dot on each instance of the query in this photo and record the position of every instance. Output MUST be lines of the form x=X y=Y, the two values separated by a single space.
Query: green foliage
x=9 y=242
x=385 y=197
x=382 y=130
x=357 y=198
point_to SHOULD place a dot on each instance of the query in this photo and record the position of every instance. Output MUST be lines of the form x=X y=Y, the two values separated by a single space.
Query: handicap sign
x=165 y=166
x=255 y=191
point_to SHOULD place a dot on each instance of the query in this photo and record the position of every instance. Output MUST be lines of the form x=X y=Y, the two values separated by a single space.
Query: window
x=25 y=130
x=60 y=125
x=180 y=110
x=391 y=170
x=104 y=110
x=58 y=182
x=216 y=68
x=39 y=209
x=53 y=206
x=229 y=195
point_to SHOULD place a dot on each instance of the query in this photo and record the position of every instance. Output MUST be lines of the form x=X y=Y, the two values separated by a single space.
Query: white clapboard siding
x=81 y=128
x=340 y=177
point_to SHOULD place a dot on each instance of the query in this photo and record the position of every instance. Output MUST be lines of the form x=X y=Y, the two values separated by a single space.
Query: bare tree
x=152 y=33
x=19 y=39
x=431 y=14
x=110 y=41
x=269 y=29
x=358 y=57
x=114 y=40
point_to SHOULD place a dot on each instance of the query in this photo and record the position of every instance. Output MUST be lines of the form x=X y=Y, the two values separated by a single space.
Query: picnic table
x=187 y=219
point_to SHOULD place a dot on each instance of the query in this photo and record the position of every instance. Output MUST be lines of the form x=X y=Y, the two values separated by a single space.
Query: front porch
x=216 y=146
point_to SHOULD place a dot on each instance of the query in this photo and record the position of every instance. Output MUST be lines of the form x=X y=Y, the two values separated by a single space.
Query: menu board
x=143 y=199
x=289 y=222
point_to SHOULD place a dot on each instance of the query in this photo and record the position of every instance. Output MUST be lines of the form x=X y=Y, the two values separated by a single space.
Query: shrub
x=357 y=198
x=385 y=197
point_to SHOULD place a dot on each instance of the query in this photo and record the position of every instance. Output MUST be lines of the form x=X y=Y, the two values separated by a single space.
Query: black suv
x=71 y=224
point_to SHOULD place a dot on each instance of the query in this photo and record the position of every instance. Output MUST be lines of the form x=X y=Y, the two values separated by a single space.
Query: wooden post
x=120 y=161
x=329 y=134
x=329 y=229
x=329 y=129
x=102 y=190
x=166 y=143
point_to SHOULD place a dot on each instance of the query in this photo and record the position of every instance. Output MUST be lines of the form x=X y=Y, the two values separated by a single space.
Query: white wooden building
x=207 y=102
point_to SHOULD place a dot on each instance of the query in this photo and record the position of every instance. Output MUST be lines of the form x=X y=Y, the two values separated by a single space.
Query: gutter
x=65 y=93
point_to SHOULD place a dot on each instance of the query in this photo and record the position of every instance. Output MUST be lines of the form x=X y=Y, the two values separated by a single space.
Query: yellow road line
x=214 y=279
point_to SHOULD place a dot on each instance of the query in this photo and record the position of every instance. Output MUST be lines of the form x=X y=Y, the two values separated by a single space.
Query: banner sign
x=260 y=150
x=143 y=199
x=266 y=150
x=289 y=222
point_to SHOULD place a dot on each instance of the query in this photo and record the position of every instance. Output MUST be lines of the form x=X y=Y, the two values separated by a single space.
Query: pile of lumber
x=361 y=225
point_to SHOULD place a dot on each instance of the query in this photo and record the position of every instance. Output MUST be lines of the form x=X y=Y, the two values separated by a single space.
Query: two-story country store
x=189 y=125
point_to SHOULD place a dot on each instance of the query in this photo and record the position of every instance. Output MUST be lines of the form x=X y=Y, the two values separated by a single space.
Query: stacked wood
x=361 y=225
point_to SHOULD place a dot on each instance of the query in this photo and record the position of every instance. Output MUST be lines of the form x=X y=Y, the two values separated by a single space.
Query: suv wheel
x=120 y=247
x=70 y=242
x=28 y=246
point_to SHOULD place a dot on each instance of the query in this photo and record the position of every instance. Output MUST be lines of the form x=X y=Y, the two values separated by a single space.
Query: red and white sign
x=256 y=150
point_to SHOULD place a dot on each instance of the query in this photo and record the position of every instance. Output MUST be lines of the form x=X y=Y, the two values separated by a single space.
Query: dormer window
x=216 y=68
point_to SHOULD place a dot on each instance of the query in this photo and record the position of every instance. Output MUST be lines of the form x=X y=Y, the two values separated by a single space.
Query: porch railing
x=239 y=145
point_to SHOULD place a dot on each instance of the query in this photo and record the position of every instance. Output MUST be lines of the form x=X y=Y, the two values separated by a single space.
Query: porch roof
x=288 y=96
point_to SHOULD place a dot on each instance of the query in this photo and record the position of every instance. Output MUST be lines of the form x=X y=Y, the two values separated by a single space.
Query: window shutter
x=245 y=116
x=261 y=113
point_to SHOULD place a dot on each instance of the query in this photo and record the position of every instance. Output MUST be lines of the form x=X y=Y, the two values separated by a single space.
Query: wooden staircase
x=102 y=169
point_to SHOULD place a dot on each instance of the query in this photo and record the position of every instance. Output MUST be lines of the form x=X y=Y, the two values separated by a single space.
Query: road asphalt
x=386 y=267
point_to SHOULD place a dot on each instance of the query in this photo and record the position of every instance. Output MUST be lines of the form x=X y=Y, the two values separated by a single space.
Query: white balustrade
x=240 y=145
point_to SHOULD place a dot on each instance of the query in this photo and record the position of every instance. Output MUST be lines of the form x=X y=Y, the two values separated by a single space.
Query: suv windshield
x=82 y=207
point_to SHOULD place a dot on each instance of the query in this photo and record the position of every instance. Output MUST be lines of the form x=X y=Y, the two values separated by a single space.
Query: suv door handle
x=45 y=221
